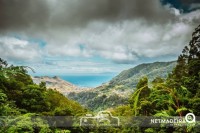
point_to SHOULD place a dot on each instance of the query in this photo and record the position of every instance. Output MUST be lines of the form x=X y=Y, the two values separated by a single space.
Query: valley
x=113 y=93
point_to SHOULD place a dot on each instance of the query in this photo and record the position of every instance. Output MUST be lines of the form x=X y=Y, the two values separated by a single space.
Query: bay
x=87 y=80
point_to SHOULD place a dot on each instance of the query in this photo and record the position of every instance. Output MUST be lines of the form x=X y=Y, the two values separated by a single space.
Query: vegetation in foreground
x=21 y=99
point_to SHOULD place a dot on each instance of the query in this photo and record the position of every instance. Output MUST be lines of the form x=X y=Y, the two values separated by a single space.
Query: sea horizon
x=85 y=81
x=88 y=81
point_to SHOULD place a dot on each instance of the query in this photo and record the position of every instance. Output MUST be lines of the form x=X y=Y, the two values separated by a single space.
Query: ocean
x=87 y=80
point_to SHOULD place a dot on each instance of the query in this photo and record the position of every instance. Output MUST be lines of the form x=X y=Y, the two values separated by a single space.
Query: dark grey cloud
x=189 y=5
x=87 y=10
x=22 y=14
x=189 y=1
x=45 y=14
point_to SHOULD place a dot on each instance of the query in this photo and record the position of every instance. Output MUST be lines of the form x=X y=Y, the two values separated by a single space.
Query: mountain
x=117 y=91
x=131 y=76
x=57 y=83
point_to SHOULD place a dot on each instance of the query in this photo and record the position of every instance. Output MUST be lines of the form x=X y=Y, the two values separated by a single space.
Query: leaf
x=183 y=109
x=162 y=114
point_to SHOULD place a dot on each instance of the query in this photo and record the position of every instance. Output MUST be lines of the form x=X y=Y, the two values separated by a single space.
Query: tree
x=187 y=71
x=141 y=94
x=28 y=123
x=34 y=99
x=6 y=107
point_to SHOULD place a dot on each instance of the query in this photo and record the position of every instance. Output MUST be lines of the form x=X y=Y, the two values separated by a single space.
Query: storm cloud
x=44 y=14
x=119 y=30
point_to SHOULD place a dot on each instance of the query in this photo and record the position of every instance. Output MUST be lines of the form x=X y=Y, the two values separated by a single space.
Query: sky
x=78 y=37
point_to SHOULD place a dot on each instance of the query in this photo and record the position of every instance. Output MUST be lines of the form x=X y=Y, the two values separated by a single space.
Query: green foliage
x=60 y=105
x=140 y=94
x=149 y=130
x=194 y=104
x=158 y=80
x=96 y=102
x=123 y=110
x=142 y=83
x=62 y=131
x=25 y=123
x=33 y=99
x=6 y=107
x=22 y=99
x=187 y=70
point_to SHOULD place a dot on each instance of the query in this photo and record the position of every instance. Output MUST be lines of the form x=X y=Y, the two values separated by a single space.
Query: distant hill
x=59 y=84
x=131 y=76
x=117 y=91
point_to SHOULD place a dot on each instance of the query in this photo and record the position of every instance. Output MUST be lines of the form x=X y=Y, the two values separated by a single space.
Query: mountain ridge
x=151 y=70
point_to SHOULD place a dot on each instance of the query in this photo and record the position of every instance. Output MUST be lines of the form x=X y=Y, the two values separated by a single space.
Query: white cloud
x=127 y=41
x=14 y=49
x=73 y=67
x=191 y=17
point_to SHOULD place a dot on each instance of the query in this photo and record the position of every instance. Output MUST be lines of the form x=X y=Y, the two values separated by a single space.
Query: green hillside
x=131 y=76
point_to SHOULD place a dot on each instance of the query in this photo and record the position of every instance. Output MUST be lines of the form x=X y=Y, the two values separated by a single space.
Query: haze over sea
x=87 y=80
